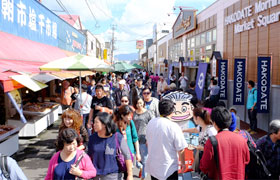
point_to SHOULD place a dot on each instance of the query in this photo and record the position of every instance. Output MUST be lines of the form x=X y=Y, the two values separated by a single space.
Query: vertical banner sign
x=169 y=73
x=239 y=81
x=263 y=84
x=222 y=78
x=200 y=79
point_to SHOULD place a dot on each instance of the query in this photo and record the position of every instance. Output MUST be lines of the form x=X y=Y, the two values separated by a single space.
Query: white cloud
x=138 y=19
x=98 y=7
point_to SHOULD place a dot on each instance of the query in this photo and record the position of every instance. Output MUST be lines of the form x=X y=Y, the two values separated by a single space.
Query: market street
x=35 y=153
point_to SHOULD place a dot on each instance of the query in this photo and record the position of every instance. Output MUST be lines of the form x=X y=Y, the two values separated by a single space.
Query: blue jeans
x=144 y=154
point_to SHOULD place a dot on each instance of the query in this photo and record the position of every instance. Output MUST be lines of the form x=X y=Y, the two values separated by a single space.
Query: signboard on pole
x=200 y=79
x=264 y=65
x=222 y=78
x=105 y=54
x=239 y=81
x=139 y=44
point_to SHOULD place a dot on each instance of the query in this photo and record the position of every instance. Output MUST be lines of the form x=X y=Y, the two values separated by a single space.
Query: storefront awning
x=23 y=56
x=29 y=83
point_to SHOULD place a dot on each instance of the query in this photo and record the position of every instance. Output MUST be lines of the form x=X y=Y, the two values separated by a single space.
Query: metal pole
x=80 y=87
x=22 y=118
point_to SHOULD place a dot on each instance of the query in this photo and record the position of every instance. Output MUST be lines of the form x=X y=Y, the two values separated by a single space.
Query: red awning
x=17 y=48
x=19 y=55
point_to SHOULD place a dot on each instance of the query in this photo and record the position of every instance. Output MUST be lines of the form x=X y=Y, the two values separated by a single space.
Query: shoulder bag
x=120 y=156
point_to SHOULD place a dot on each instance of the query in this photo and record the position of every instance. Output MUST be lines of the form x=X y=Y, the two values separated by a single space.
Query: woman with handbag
x=126 y=126
x=205 y=129
x=141 y=117
x=72 y=119
x=69 y=162
x=108 y=150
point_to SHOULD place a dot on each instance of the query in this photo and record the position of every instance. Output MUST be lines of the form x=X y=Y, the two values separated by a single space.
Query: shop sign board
x=239 y=81
x=222 y=78
x=139 y=44
x=248 y=11
x=185 y=22
x=264 y=68
x=200 y=79
x=31 y=20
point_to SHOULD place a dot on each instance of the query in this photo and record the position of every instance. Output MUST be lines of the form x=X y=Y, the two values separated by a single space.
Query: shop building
x=31 y=35
x=239 y=29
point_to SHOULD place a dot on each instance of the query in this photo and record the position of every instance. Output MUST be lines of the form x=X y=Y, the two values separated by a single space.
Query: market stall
x=8 y=139
x=38 y=115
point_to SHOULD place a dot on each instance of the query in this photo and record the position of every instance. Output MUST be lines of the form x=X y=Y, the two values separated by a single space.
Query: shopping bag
x=189 y=159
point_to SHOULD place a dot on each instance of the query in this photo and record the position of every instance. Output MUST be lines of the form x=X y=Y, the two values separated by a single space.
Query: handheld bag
x=120 y=156
x=189 y=160
x=77 y=164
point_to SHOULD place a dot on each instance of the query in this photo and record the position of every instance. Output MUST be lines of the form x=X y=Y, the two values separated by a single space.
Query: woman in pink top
x=65 y=163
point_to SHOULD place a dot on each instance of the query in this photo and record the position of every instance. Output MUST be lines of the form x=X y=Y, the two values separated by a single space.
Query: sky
x=133 y=19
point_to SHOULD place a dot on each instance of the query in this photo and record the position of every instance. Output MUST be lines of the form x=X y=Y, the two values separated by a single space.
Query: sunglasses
x=146 y=93
x=124 y=101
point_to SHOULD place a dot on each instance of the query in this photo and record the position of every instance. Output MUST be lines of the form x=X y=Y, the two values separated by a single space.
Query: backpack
x=4 y=166
x=256 y=169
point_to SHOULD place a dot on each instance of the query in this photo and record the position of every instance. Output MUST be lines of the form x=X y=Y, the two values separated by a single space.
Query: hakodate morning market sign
x=262 y=20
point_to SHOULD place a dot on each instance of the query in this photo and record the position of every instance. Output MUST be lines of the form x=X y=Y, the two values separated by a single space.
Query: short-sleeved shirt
x=103 y=102
x=204 y=135
x=61 y=171
x=103 y=153
x=165 y=138
x=252 y=98
x=141 y=121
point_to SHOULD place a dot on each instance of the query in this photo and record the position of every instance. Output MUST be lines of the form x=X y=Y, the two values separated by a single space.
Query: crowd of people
x=120 y=122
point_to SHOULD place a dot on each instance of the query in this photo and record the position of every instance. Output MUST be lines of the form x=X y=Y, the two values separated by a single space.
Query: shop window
x=197 y=41
x=208 y=36
x=188 y=44
x=214 y=34
x=202 y=38
x=192 y=42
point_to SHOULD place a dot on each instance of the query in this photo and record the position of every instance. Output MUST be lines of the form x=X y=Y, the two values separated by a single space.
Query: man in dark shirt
x=91 y=88
x=137 y=90
x=119 y=92
x=270 y=147
x=191 y=90
x=99 y=103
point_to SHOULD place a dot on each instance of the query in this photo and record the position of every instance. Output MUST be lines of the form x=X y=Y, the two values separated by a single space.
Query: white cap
x=122 y=82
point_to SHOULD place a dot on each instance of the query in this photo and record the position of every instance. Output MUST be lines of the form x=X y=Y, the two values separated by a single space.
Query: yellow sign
x=16 y=96
x=105 y=54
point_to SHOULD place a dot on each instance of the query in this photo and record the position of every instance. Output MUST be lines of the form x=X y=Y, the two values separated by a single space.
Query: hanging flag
x=222 y=78
x=239 y=81
x=263 y=84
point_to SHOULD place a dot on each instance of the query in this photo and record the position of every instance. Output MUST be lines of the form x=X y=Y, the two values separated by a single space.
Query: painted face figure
x=183 y=107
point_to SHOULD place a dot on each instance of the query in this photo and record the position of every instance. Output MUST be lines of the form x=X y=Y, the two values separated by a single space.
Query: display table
x=9 y=142
x=35 y=123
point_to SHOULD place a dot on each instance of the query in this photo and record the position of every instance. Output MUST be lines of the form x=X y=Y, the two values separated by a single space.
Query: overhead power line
x=91 y=11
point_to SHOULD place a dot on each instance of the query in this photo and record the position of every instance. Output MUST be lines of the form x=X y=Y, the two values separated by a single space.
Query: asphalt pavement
x=34 y=153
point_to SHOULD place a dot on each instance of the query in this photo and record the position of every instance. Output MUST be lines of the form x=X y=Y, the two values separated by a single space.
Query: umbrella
x=138 y=66
x=123 y=67
x=77 y=63
x=44 y=77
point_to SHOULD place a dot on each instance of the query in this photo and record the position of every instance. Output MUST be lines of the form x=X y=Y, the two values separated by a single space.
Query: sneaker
x=253 y=132
x=249 y=130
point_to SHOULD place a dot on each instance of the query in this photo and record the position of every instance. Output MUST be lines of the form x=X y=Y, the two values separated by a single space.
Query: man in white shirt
x=83 y=105
x=183 y=82
x=165 y=141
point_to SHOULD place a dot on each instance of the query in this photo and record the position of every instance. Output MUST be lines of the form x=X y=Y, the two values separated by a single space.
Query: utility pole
x=113 y=41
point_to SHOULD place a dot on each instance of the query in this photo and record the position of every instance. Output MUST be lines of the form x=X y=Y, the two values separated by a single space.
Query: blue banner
x=200 y=79
x=169 y=73
x=239 y=81
x=222 y=78
x=31 y=20
x=264 y=64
